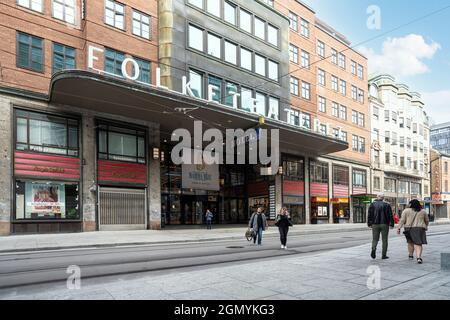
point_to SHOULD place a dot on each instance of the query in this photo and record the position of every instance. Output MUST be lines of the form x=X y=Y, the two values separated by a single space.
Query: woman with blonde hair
x=415 y=221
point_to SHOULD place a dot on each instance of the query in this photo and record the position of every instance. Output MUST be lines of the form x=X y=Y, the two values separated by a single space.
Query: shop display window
x=47 y=200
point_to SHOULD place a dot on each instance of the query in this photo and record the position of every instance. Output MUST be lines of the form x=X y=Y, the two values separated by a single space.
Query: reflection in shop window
x=294 y=170
x=47 y=134
x=120 y=144
x=47 y=200
x=196 y=80
x=231 y=90
x=216 y=83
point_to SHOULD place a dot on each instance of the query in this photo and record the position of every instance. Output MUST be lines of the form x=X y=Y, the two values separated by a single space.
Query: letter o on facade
x=136 y=69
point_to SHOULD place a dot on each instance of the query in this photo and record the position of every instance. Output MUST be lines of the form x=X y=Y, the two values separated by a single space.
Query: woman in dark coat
x=283 y=223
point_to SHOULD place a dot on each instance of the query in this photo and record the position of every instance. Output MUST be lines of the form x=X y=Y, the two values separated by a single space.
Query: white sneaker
x=283 y=247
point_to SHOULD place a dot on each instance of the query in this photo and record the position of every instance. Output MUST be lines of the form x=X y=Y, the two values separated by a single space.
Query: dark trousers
x=208 y=224
x=283 y=234
x=382 y=229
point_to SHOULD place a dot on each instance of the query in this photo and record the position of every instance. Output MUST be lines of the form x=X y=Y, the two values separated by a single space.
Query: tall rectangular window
x=335 y=109
x=359 y=178
x=305 y=59
x=322 y=104
x=215 y=47
x=64 y=10
x=320 y=49
x=274 y=107
x=341 y=61
x=63 y=57
x=321 y=77
x=113 y=62
x=272 y=35
x=362 y=145
x=343 y=86
x=231 y=90
x=260 y=28
x=231 y=52
x=293 y=21
x=334 y=83
x=246 y=98
x=260 y=103
x=293 y=53
x=229 y=13
x=260 y=65
x=114 y=14
x=354 y=117
x=306 y=90
x=361 y=120
x=195 y=38
x=196 y=80
x=361 y=72
x=355 y=143
x=246 y=59
x=353 y=67
x=35 y=5
x=213 y=7
x=273 y=70
x=30 y=54
x=334 y=56
x=354 y=93
x=216 y=85
x=245 y=20
x=145 y=75
x=343 y=112
x=294 y=86
x=141 y=25
x=304 y=28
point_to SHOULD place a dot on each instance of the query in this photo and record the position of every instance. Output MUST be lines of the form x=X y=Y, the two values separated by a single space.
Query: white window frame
x=116 y=13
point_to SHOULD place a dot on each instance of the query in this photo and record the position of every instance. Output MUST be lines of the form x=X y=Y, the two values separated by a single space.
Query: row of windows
x=319 y=174
x=358 y=144
x=61 y=9
x=232 y=94
x=340 y=59
x=30 y=55
x=221 y=48
x=50 y=134
x=304 y=24
x=240 y=17
x=392 y=185
x=114 y=14
x=392 y=116
x=408 y=164
x=339 y=85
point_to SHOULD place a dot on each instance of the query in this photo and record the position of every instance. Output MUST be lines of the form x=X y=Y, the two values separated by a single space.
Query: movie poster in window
x=45 y=200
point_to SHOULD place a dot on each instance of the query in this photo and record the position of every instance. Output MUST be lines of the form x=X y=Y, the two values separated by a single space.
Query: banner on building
x=200 y=177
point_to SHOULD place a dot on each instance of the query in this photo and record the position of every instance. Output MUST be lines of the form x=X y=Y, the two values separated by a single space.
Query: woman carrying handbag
x=283 y=223
x=415 y=220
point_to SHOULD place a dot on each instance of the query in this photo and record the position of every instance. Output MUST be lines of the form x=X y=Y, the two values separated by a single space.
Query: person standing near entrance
x=209 y=217
x=416 y=221
x=380 y=218
x=258 y=223
x=283 y=223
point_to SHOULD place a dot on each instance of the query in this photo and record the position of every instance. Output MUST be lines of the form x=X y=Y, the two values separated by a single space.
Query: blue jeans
x=258 y=235
x=208 y=224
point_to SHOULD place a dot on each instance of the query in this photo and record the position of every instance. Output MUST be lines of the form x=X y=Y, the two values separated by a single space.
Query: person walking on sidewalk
x=283 y=223
x=209 y=216
x=258 y=223
x=415 y=221
x=380 y=218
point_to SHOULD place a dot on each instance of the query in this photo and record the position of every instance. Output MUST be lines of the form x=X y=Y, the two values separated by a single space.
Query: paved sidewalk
x=339 y=274
x=169 y=235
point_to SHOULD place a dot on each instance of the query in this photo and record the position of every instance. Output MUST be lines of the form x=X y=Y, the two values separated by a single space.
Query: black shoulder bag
x=407 y=231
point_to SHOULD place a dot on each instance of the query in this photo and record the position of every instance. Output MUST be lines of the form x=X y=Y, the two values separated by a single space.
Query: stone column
x=307 y=193
x=5 y=166
x=350 y=182
x=89 y=183
x=165 y=9
x=330 y=191
x=154 y=185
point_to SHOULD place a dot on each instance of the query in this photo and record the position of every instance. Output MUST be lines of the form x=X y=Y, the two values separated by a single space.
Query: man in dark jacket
x=380 y=219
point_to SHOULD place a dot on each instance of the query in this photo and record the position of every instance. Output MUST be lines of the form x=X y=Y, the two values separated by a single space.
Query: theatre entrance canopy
x=173 y=110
